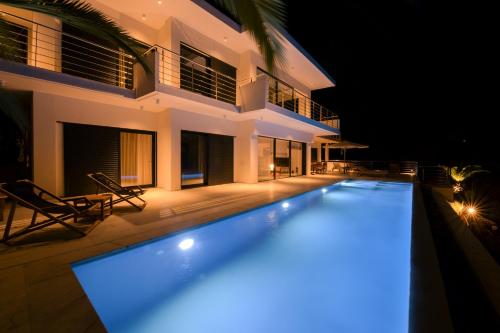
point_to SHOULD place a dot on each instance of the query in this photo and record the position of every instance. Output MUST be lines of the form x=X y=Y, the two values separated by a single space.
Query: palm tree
x=263 y=19
x=459 y=175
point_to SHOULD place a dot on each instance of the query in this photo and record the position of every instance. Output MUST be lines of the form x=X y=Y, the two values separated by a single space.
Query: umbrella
x=344 y=145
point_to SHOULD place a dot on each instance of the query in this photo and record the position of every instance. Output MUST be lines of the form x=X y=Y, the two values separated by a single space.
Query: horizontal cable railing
x=39 y=45
x=291 y=99
x=178 y=71
x=410 y=168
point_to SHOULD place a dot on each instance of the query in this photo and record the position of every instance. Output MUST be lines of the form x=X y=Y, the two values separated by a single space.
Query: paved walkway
x=38 y=290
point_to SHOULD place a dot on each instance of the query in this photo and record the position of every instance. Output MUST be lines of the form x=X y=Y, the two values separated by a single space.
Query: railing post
x=216 y=86
x=192 y=77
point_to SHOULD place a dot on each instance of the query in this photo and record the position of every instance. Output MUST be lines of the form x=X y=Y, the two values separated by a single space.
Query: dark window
x=281 y=93
x=314 y=154
x=207 y=75
x=193 y=159
x=92 y=58
x=13 y=42
x=16 y=159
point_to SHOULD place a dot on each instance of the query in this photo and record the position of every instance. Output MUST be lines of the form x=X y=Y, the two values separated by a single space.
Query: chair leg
x=33 y=218
x=9 y=221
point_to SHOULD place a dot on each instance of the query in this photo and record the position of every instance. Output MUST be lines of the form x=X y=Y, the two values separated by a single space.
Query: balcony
x=268 y=94
x=47 y=50
x=171 y=70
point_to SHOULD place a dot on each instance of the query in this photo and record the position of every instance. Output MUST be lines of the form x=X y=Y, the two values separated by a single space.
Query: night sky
x=412 y=76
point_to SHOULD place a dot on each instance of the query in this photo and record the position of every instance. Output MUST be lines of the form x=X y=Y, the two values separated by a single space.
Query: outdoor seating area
x=80 y=214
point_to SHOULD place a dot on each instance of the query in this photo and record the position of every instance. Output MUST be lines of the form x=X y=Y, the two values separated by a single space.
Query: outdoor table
x=95 y=198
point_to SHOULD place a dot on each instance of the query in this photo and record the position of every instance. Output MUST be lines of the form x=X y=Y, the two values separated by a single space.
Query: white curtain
x=136 y=159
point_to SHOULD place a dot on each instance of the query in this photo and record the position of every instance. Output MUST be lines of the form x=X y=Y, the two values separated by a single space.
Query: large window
x=280 y=158
x=127 y=156
x=207 y=75
x=13 y=42
x=266 y=158
x=297 y=159
x=282 y=164
x=193 y=159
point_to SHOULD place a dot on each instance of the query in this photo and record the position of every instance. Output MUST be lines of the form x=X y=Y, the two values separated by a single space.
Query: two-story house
x=207 y=113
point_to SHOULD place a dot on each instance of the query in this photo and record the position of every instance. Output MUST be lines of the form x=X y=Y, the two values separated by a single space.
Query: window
x=297 y=159
x=266 y=158
x=206 y=75
x=280 y=158
x=13 y=42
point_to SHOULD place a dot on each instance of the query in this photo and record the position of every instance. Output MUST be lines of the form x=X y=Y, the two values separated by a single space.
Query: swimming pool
x=335 y=259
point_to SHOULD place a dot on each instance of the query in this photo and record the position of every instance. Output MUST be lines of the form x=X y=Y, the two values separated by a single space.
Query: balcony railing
x=291 y=99
x=42 y=46
x=178 y=71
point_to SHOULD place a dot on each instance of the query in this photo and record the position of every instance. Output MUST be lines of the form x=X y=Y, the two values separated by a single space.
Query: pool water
x=335 y=259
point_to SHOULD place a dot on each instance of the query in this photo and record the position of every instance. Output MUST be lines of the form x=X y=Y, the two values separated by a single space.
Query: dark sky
x=412 y=76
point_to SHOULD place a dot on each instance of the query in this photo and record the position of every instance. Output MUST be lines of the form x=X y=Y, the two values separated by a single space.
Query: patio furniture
x=332 y=168
x=124 y=193
x=100 y=199
x=56 y=211
x=2 y=206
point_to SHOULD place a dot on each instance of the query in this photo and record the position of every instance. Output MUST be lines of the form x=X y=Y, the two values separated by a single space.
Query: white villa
x=207 y=113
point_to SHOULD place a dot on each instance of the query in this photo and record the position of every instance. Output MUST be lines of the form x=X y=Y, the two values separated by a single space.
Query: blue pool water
x=332 y=260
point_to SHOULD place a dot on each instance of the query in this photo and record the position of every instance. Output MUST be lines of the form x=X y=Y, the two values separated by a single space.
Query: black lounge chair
x=124 y=193
x=58 y=210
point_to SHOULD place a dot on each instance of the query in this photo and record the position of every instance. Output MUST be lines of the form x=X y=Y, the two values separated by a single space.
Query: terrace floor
x=40 y=293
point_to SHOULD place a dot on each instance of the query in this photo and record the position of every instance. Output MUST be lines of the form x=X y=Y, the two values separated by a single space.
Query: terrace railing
x=47 y=46
x=178 y=71
x=293 y=100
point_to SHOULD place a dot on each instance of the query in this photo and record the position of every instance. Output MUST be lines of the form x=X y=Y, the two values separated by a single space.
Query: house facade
x=205 y=113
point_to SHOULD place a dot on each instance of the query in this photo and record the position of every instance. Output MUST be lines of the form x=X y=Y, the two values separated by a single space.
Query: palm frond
x=461 y=174
x=263 y=19
x=84 y=17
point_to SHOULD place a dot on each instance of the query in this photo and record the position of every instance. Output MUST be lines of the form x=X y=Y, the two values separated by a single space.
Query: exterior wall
x=50 y=111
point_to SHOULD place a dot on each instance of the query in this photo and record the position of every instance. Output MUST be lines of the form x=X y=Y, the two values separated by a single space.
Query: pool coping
x=429 y=310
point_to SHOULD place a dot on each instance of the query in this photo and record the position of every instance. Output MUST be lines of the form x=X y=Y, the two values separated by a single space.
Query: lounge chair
x=124 y=193
x=29 y=195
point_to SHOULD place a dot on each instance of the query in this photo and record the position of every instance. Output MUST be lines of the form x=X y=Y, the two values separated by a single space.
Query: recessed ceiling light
x=143 y=17
x=225 y=39
x=160 y=2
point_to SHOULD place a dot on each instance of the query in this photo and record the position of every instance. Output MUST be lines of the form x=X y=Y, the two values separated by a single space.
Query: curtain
x=136 y=159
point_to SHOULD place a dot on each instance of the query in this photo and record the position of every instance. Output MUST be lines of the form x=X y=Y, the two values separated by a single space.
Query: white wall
x=50 y=111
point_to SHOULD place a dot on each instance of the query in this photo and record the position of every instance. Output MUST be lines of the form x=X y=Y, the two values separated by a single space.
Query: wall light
x=285 y=204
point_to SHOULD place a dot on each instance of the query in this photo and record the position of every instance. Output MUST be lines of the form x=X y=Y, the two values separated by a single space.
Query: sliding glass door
x=127 y=156
x=193 y=159
x=266 y=158
x=296 y=159
x=280 y=158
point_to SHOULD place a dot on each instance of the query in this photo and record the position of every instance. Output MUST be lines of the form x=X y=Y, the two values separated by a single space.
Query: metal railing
x=291 y=99
x=367 y=167
x=178 y=71
x=42 y=46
